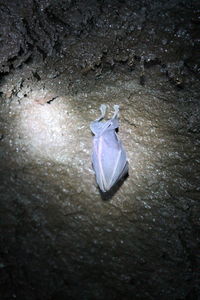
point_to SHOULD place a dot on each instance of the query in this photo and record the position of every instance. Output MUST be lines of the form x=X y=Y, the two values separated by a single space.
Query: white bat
x=109 y=157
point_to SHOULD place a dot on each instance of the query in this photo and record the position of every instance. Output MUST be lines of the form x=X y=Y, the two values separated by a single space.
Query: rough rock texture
x=60 y=238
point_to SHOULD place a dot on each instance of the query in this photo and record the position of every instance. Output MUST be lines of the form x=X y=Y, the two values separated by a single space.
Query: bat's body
x=109 y=157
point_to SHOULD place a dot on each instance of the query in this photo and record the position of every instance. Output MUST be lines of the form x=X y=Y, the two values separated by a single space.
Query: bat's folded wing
x=109 y=161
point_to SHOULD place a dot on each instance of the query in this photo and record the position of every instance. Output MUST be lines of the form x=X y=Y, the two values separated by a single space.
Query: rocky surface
x=60 y=237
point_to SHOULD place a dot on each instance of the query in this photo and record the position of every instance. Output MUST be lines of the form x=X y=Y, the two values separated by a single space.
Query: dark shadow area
x=109 y=195
x=52 y=249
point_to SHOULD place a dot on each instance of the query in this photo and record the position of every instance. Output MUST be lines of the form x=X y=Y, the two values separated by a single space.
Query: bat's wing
x=109 y=160
x=109 y=157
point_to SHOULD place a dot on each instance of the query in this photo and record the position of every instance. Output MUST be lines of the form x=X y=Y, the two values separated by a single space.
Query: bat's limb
x=116 y=112
x=103 y=112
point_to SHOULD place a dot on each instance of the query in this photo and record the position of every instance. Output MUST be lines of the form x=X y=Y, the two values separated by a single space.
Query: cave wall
x=60 y=237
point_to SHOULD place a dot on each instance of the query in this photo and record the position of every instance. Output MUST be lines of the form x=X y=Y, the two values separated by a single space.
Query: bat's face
x=109 y=157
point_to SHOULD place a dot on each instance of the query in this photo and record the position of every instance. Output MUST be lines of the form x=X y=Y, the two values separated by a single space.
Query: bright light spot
x=43 y=130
